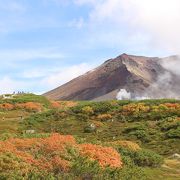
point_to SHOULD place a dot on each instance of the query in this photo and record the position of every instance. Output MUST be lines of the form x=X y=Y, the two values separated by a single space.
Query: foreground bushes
x=106 y=156
x=55 y=154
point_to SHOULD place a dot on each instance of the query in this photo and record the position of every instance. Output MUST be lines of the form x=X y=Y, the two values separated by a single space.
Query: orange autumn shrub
x=68 y=104
x=55 y=104
x=50 y=151
x=126 y=144
x=104 y=117
x=57 y=143
x=62 y=104
x=106 y=156
x=6 y=106
x=29 y=106
x=135 y=109
x=98 y=124
x=166 y=107
x=19 y=106
x=60 y=164
x=172 y=106
x=52 y=154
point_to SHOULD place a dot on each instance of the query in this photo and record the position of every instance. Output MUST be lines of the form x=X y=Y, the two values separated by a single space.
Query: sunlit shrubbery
x=135 y=109
x=106 y=156
x=104 y=117
x=53 y=154
x=28 y=106
x=6 y=106
x=125 y=144
x=162 y=110
x=88 y=110
x=55 y=104
x=62 y=104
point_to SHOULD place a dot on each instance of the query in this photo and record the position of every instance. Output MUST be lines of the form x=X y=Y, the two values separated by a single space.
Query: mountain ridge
x=136 y=74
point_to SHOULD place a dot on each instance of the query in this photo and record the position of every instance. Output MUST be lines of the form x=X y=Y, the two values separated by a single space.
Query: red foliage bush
x=172 y=105
x=106 y=156
x=52 y=153
x=6 y=106
x=29 y=106
x=55 y=104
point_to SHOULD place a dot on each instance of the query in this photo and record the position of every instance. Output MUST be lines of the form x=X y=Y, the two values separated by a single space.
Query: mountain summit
x=138 y=75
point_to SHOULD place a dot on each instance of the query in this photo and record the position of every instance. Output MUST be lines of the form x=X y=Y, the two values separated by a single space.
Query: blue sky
x=45 y=43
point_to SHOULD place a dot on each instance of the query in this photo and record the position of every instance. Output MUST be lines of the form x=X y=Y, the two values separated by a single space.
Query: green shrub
x=88 y=110
x=12 y=167
x=147 y=158
x=139 y=131
x=102 y=107
x=6 y=136
x=173 y=133
x=23 y=98
x=169 y=123
x=142 y=157
x=83 y=167
x=89 y=129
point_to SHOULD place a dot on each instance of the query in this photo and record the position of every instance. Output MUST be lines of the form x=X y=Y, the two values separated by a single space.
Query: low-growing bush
x=90 y=128
x=104 y=117
x=88 y=110
x=106 y=156
x=125 y=144
x=55 y=154
x=138 y=131
x=143 y=157
x=173 y=133
x=6 y=106
x=147 y=158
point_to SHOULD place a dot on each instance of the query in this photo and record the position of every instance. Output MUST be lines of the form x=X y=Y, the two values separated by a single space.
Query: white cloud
x=33 y=73
x=65 y=74
x=9 y=85
x=47 y=78
x=158 y=19
x=28 y=54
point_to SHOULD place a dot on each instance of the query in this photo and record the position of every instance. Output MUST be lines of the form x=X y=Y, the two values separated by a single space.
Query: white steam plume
x=123 y=95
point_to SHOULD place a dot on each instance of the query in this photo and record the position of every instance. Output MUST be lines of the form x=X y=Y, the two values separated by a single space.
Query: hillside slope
x=142 y=76
x=42 y=139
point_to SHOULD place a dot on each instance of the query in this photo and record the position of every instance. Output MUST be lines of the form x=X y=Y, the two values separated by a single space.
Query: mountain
x=138 y=75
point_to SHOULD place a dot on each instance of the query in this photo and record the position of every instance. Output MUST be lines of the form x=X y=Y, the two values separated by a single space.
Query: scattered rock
x=30 y=131
x=90 y=128
x=175 y=156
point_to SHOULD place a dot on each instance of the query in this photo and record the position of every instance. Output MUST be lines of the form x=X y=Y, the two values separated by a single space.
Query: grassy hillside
x=89 y=140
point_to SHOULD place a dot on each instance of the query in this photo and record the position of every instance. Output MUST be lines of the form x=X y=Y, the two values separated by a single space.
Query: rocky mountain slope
x=140 y=76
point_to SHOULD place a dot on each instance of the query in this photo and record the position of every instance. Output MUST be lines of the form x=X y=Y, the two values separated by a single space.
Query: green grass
x=157 y=131
x=169 y=171
x=23 y=98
